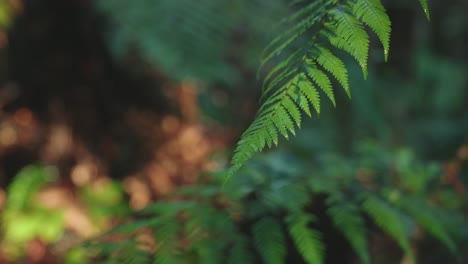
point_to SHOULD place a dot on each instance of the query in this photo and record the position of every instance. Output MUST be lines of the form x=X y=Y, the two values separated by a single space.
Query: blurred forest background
x=109 y=106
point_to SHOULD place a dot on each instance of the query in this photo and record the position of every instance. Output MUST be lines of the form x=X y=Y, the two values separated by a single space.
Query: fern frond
x=427 y=217
x=321 y=79
x=291 y=85
x=308 y=241
x=347 y=33
x=166 y=236
x=390 y=220
x=425 y=8
x=308 y=91
x=373 y=14
x=289 y=88
x=316 y=11
x=333 y=65
x=269 y=240
x=346 y=217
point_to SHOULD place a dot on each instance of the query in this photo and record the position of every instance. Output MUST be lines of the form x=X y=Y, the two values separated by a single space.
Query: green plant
x=275 y=201
x=306 y=54
x=271 y=209
x=23 y=218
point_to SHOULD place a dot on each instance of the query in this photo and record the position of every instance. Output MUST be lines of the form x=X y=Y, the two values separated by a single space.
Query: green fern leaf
x=283 y=121
x=296 y=32
x=269 y=240
x=280 y=70
x=389 y=219
x=321 y=79
x=335 y=66
x=301 y=100
x=291 y=85
x=374 y=15
x=308 y=241
x=309 y=91
x=425 y=8
x=347 y=33
x=315 y=13
x=292 y=109
x=346 y=217
x=166 y=239
x=279 y=113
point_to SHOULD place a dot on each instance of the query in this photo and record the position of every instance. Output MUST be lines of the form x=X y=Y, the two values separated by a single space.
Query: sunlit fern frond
x=293 y=86
x=302 y=61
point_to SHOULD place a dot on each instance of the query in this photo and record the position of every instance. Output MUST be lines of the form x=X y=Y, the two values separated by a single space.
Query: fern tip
x=428 y=15
x=425 y=8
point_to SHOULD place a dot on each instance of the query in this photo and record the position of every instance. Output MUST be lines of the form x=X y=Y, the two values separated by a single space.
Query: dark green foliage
x=269 y=240
x=272 y=201
x=307 y=241
x=187 y=39
x=347 y=218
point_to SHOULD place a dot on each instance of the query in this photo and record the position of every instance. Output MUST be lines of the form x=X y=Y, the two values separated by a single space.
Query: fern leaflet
x=346 y=32
x=291 y=87
x=373 y=14
x=346 y=217
x=425 y=8
x=269 y=240
x=308 y=241
x=389 y=219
